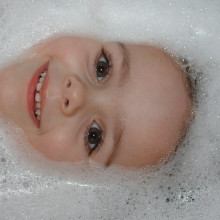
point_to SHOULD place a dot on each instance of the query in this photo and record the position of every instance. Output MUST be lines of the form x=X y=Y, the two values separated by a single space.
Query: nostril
x=71 y=96
x=67 y=102
x=68 y=83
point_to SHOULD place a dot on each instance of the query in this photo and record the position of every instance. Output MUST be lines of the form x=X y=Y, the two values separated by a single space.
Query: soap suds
x=187 y=187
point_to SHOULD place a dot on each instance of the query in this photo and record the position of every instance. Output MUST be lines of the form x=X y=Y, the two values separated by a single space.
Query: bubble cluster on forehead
x=191 y=78
x=183 y=67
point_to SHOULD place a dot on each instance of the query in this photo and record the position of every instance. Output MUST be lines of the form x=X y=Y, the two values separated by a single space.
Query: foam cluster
x=187 y=187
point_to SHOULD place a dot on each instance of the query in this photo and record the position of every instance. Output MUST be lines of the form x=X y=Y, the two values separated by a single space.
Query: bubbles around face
x=184 y=29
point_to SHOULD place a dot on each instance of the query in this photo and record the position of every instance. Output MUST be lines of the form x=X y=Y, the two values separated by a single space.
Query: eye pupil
x=102 y=69
x=94 y=136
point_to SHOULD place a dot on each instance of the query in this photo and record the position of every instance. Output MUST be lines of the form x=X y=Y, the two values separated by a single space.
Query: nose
x=73 y=95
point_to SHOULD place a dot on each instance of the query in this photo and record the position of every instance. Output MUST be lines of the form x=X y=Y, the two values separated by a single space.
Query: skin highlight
x=141 y=106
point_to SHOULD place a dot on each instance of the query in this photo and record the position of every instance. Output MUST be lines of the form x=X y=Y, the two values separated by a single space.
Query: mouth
x=36 y=93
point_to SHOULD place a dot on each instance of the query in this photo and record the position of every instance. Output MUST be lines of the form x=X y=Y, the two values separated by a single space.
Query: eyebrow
x=117 y=134
x=119 y=124
x=125 y=65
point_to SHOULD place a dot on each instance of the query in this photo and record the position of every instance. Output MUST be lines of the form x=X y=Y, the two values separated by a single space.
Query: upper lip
x=31 y=90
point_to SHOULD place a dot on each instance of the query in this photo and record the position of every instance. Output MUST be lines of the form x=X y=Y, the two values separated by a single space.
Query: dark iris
x=94 y=138
x=102 y=69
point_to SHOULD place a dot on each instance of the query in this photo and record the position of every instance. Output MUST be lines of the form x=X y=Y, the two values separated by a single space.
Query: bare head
x=114 y=103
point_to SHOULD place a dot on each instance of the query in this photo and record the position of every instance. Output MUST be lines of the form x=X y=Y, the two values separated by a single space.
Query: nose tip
x=72 y=95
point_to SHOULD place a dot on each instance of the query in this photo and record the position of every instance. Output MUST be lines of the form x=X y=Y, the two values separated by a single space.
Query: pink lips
x=32 y=90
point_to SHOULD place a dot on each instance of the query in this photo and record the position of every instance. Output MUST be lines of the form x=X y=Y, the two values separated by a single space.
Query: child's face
x=113 y=103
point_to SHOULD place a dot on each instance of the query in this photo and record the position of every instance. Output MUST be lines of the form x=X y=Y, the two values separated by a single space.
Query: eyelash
x=87 y=144
x=108 y=57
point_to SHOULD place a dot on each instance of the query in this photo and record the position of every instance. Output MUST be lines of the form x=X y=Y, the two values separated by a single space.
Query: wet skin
x=110 y=102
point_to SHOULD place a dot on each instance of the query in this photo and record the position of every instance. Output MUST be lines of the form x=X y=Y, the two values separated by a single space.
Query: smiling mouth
x=36 y=93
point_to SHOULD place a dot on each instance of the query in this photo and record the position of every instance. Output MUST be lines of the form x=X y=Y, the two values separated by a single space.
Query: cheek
x=66 y=49
x=58 y=146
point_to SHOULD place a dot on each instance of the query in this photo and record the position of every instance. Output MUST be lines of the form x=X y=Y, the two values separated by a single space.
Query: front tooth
x=37 y=97
x=38 y=117
x=43 y=74
x=37 y=105
x=39 y=86
x=41 y=79
x=37 y=112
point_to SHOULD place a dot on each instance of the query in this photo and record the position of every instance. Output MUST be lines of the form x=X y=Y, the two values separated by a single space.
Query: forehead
x=155 y=104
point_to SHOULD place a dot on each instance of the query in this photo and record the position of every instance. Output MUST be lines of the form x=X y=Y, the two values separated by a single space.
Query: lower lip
x=31 y=92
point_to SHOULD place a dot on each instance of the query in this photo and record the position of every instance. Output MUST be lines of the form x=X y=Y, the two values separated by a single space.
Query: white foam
x=188 y=186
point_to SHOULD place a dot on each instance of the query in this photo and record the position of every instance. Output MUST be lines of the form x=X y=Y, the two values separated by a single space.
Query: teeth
x=41 y=79
x=37 y=112
x=39 y=86
x=38 y=105
x=43 y=74
x=37 y=95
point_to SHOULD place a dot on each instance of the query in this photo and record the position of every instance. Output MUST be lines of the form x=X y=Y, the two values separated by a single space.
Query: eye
x=102 y=67
x=93 y=137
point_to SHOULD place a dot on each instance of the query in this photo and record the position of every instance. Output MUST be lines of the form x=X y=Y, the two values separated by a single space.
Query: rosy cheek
x=48 y=144
x=59 y=147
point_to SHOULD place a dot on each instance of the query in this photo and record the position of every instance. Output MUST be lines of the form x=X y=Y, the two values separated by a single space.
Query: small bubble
x=26 y=185
x=3 y=159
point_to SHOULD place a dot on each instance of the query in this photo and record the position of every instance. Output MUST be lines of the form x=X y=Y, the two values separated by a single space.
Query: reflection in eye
x=94 y=137
x=102 y=67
